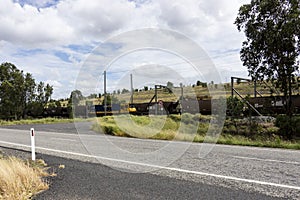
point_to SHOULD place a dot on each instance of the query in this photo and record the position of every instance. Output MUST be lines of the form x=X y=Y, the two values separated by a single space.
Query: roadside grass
x=259 y=142
x=189 y=127
x=21 y=179
x=49 y=120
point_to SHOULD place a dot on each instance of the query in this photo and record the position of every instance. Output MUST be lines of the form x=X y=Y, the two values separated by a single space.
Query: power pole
x=131 y=86
x=232 y=83
x=105 y=96
x=156 y=107
x=181 y=90
x=255 y=92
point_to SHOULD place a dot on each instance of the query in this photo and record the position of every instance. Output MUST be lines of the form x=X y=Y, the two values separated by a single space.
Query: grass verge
x=21 y=179
x=49 y=120
x=191 y=128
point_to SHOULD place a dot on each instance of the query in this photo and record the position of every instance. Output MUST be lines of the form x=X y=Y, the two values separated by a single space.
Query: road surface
x=225 y=172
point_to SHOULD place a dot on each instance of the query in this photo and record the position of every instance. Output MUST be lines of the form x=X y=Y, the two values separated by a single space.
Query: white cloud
x=96 y=19
x=32 y=27
x=52 y=25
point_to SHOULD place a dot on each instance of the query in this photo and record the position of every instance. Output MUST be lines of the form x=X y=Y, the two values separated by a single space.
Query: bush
x=187 y=118
x=109 y=130
x=175 y=118
x=289 y=127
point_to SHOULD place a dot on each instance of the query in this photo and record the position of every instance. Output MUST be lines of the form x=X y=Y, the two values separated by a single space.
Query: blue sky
x=53 y=39
x=38 y=3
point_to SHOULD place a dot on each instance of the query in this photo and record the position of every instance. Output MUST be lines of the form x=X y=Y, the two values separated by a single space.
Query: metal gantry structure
x=234 y=91
x=155 y=97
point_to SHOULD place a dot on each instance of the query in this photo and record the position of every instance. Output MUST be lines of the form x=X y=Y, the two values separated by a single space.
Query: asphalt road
x=105 y=166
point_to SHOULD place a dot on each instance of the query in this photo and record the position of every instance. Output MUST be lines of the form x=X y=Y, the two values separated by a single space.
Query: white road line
x=161 y=167
x=65 y=139
x=267 y=160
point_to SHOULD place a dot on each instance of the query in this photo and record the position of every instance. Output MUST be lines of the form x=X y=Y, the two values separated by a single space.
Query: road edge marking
x=160 y=167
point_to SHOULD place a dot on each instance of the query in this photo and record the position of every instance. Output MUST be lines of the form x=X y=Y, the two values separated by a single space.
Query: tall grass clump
x=21 y=180
x=188 y=127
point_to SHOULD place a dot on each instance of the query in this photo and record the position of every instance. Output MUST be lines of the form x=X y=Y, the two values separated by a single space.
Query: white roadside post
x=32 y=144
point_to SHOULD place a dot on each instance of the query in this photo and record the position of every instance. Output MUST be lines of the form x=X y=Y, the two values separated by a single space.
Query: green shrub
x=170 y=124
x=175 y=118
x=289 y=127
x=187 y=118
x=202 y=128
x=109 y=130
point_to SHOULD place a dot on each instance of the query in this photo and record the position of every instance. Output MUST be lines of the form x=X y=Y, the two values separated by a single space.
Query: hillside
x=141 y=96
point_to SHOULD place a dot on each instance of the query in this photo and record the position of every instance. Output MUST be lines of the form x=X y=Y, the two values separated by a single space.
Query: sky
x=69 y=43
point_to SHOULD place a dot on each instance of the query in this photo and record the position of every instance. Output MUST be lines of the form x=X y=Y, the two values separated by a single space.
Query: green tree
x=11 y=91
x=114 y=100
x=75 y=97
x=29 y=92
x=19 y=93
x=235 y=110
x=108 y=100
x=92 y=96
x=124 y=91
x=204 y=85
x=170 y=85
x=48 y=89
x=57 y=104
x=74 y=100
x=271 y=50
x=42 y=97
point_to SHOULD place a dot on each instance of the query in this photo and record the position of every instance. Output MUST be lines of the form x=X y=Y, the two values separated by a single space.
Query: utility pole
x=181 y=98
x=181 y=89
x=255 y=88
x=131 y=86
x=105 y=96
x=232 y=82
x=156 y=107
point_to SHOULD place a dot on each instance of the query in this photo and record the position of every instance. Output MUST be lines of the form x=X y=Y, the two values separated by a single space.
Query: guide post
x=32 y=144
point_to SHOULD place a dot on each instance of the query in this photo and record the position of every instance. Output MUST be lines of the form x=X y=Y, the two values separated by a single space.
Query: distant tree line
x=20 y=94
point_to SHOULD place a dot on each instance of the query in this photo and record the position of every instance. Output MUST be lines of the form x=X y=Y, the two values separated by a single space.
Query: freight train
x=271 y=105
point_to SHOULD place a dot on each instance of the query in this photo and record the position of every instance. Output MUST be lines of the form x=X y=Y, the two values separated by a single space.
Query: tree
x=29 y=92
x=235 y=110
x=74 y=100
x=92 y=96
x=19 y=94
x=48 y=92
x=204 y=85
x=124 y=91
x=271 y=50
x=114 y=100
x=11 y=91
x=75 y=97
x=42 y=97
x=170 y=85
x=108 y=100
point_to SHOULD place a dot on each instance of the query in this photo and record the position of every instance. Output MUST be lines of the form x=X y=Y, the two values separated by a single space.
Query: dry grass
x=21 y=180
x=49 y=120
x=244 y=88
